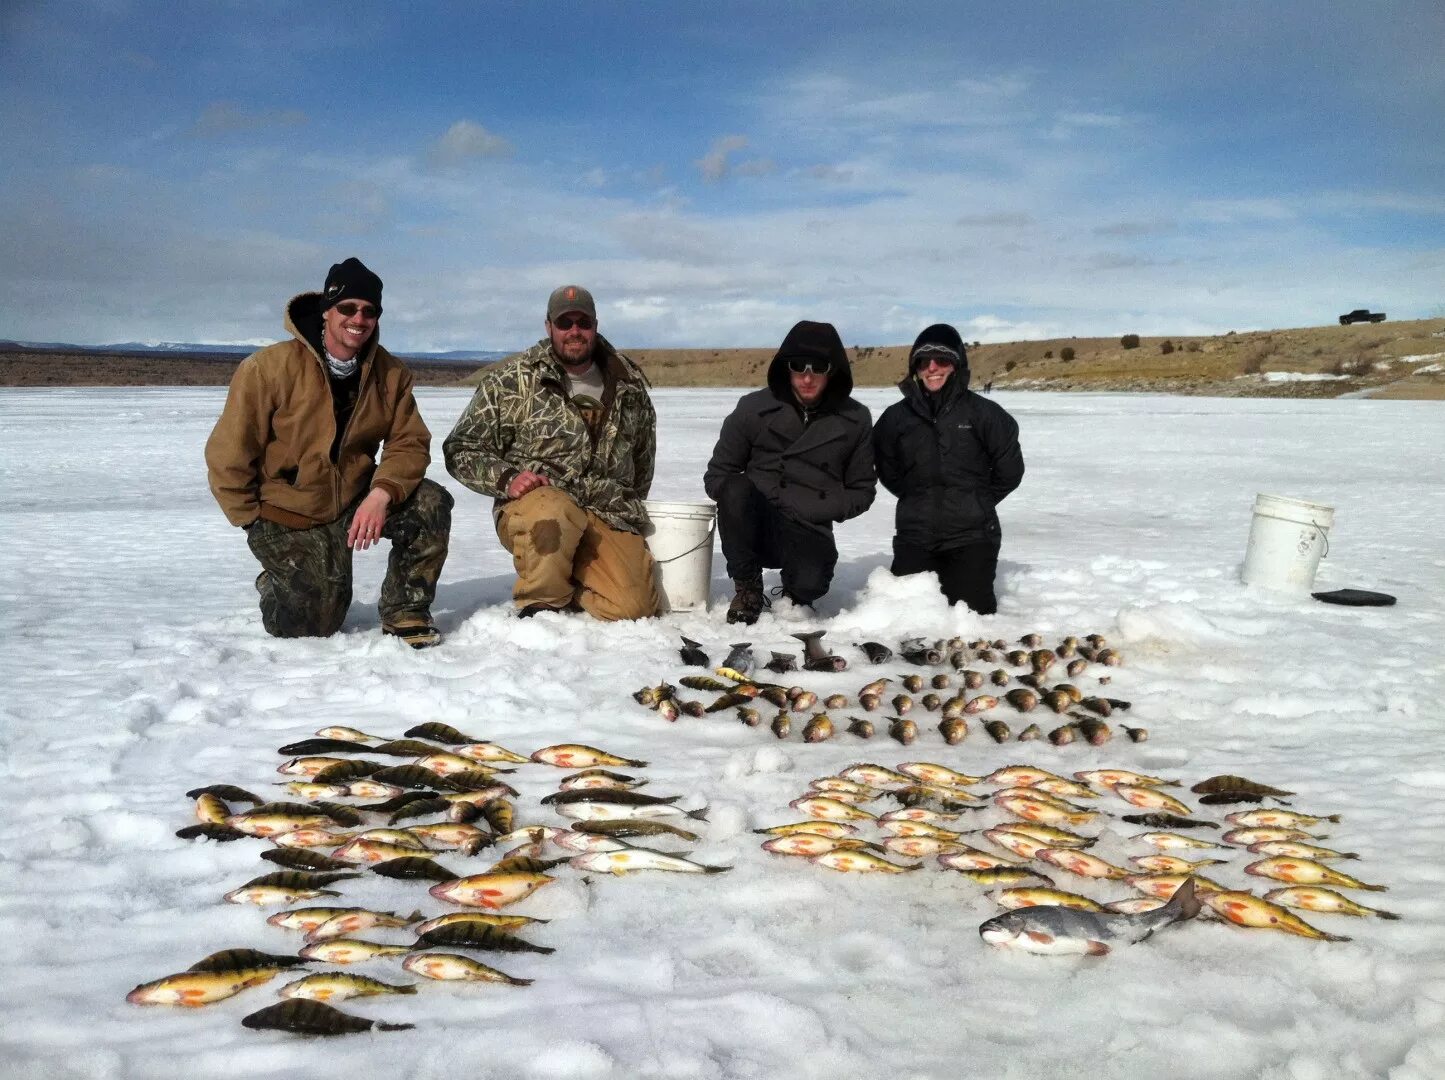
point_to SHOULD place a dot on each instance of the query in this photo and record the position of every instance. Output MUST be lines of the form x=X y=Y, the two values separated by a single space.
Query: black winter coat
x=949 y=461
x=815 y=466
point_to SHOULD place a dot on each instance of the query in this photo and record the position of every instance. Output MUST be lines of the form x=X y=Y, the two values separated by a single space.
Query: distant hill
x=470 y=357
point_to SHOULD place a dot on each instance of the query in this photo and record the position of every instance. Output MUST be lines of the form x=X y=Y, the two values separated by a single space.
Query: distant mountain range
x=470 y=357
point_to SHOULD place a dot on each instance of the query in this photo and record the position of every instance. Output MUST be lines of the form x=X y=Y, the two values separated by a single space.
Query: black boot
x=748 y=602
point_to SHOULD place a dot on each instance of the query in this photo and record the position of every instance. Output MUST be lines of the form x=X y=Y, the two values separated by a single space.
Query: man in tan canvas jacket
x=293 y=461
x=564 y=437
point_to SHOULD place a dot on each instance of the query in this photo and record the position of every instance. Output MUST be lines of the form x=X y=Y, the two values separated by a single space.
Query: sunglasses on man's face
x=566 y=322
x=348 y=309
x=810 y=367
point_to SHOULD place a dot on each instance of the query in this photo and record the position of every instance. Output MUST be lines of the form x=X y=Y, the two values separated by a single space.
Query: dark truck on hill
x=1362 y=315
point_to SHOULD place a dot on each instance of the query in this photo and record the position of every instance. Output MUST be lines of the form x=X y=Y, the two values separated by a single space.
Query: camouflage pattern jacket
x=521 y=417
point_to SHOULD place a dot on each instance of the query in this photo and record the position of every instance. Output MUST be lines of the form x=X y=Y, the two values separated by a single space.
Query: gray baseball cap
x=570 y=298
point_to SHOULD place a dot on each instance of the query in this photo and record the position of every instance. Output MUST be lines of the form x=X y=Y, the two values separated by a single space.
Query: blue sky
x=716 y=172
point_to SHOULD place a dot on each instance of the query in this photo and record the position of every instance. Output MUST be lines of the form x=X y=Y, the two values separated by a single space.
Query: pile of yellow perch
x=450 y=788
x=1028 y=821
x=1014 y=677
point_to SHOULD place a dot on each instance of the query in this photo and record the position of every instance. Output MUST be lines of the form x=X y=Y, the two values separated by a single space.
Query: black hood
x=942 y=334
x=816 y=341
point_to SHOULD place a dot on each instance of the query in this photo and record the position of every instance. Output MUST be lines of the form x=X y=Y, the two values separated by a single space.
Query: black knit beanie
x=351 y=280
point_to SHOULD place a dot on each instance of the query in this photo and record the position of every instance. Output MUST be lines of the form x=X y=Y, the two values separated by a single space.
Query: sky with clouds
x=174 y=172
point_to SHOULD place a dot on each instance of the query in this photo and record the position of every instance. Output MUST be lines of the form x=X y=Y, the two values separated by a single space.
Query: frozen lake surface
x=137 y=669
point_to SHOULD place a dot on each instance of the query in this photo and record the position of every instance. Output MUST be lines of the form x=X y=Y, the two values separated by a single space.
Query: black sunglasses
x=566 y=322
x=347 y=309
x=810 y=367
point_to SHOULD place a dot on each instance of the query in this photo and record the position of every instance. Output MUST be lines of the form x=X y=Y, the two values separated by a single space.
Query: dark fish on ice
x=1237 y=783
x=442 y=733
x=876 y=653
x=1161 y=820
x=692 y=654
x=301 y=1016
x=227 y=792
x=1067 y=931
x=740 y=658
x=815 y=657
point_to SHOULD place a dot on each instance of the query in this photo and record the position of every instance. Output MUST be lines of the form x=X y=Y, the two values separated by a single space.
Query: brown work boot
x=418 y=631
x=748 y=602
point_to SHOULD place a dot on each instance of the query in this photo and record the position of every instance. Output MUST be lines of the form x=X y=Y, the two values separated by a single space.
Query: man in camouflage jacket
x=563 y=436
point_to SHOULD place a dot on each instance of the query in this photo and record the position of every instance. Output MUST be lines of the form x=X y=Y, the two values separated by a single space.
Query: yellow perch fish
x=1169 y=841
x=1246 y=837
x=489 y=751
x=1316 y=898
x=269 y=825
x=809 y=844
x=490 y=890
x=1082 y=863
x=634 y=859
x=1021 y=844
x=308 y=919
x=1149 y=798
x=370 y=852
x=308 y=766
x=580 y=756
x=907 y=827
x=861 y=862
x=1020 y=776
x=212 y=808
x=1165 y=886
x=348 y=734
x=1000 y=875
x=1281 y=819
x=969 y=858
x=1013 y=899
x=339 y=986
x=1058 y=838
x=1036 y=795
x=1306 y=872
x=818 y=828
x=1171 y=864
x=1299 y=850
x=1067 y=789
x=875 y=775
x=829 y=809
x=372 y=789
x=444 y=763
x=481 y=918
x=192 y=989
x=836 y=785
x=917 y=847
x=1110 y=777
x=918 y=813
x=308 y=789
x=311 y=838
x=451 y=967
x=1242 y=909
x=351 y=950
x=262 y=895
x=1034 y=810
x=346 y=923
x=930 y=773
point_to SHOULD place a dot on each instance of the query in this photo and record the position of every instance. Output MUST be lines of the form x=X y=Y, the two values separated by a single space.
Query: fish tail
x=1334 y=937
x=690 y=643
x=1373 y=888
x=715 y=869
x=633 y=763
x=409 y=988
x=394 y=1027
x=698 y=815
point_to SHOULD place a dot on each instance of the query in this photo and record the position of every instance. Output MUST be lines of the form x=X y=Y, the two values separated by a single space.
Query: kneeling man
x=791 y=460
x=292 y=460
x=563 y=436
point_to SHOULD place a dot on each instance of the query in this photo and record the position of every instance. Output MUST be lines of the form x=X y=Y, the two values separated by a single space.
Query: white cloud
x=714 y=164
x=465 y=141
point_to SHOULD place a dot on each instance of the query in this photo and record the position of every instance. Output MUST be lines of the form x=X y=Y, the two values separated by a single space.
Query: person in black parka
x=951 y=457
x=791 y=460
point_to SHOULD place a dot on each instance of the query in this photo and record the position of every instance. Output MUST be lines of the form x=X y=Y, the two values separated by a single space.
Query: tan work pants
x=564 y=554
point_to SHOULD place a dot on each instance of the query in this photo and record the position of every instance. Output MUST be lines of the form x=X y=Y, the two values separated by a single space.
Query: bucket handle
x=706 y=540
x=1325 y=532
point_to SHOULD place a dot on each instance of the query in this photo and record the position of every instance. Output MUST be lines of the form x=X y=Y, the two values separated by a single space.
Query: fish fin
x=1373 y=888
x=698 y=815
x=1334 y=937
x=1038 y=937
x=1335 y=818
x=1098 y=948
x=691 y=644
x=407 y=988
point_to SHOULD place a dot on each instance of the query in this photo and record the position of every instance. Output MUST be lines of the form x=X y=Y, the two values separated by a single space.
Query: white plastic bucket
x=1286 y=540
x=680 y=539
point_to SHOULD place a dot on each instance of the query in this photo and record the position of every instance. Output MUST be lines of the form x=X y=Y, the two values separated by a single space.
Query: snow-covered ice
x=137 y=669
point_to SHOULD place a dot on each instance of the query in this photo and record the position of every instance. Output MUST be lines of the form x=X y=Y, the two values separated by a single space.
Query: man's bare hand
x=369 y=519
x=524 y=482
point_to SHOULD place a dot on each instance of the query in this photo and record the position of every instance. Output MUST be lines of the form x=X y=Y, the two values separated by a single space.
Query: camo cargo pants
x=305 y=583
